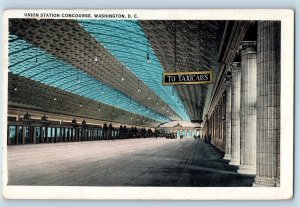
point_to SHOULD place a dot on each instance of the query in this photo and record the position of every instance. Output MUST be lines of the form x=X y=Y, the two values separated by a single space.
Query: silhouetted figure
x=144 y=132
x=109 y=131
x=105 y=128
x=150 y=133
x=121 y=132
x=132 y=132
x=135 y=132
x=125 y=132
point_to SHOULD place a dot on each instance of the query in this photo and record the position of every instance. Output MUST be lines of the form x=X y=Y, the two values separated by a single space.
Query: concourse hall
x=115 y=102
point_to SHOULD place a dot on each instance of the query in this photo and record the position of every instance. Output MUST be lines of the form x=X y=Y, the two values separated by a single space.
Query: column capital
x=247 y=47
x=235 y=66
x=228 y=84
x=228 y=74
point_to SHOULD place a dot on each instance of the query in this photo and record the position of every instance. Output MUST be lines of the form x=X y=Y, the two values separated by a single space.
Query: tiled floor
x=131 y=162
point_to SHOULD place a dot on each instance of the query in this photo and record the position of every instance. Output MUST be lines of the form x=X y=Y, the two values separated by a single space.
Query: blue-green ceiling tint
x=127 y=42
x=36 y=64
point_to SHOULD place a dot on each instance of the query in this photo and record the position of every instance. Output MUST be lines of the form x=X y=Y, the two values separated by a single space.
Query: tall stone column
x=24 y=135
x=8 y=136
x=268 y=104
x=235 y=116
x=248 y=107
x=227 y=155
x=223 y=120
x=17 y=135
x=34 y=135
x=278 y=77
x=221 y=124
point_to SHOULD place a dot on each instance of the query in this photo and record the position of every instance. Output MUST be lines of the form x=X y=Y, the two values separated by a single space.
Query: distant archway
x=182 y=129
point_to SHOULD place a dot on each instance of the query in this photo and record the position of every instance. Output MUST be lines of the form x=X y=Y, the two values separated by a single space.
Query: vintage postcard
x=148 y=104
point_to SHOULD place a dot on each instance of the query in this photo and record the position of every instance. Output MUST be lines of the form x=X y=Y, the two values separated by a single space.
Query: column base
x=247 y=169
x=277 y=182
x=227 y=157
x=235 y=161
x=264 y=182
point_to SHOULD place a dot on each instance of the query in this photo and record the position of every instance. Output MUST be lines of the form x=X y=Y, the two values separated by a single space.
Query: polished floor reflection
x=132 y=162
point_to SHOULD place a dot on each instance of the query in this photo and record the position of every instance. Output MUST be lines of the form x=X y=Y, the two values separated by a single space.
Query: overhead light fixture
x=148 y=56
x=139 y=86
x=122 y=74
x=15 y=89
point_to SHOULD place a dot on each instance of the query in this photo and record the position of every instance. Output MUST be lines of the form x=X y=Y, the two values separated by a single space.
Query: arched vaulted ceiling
x=126 y=41
x=106 y=62
x=38 y=65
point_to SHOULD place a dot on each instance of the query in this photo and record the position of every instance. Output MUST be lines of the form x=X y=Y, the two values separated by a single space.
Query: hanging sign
x=199 y=77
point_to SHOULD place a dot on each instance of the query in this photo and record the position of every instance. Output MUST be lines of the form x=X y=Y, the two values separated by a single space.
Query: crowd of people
x=123 y=132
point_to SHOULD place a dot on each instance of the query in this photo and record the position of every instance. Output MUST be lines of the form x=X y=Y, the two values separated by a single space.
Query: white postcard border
x=285 y=191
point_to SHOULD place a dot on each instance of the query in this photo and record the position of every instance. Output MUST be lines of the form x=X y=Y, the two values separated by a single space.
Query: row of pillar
x=215 y=125
x=218 y=125
x=185 y=132
x=253 y=107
